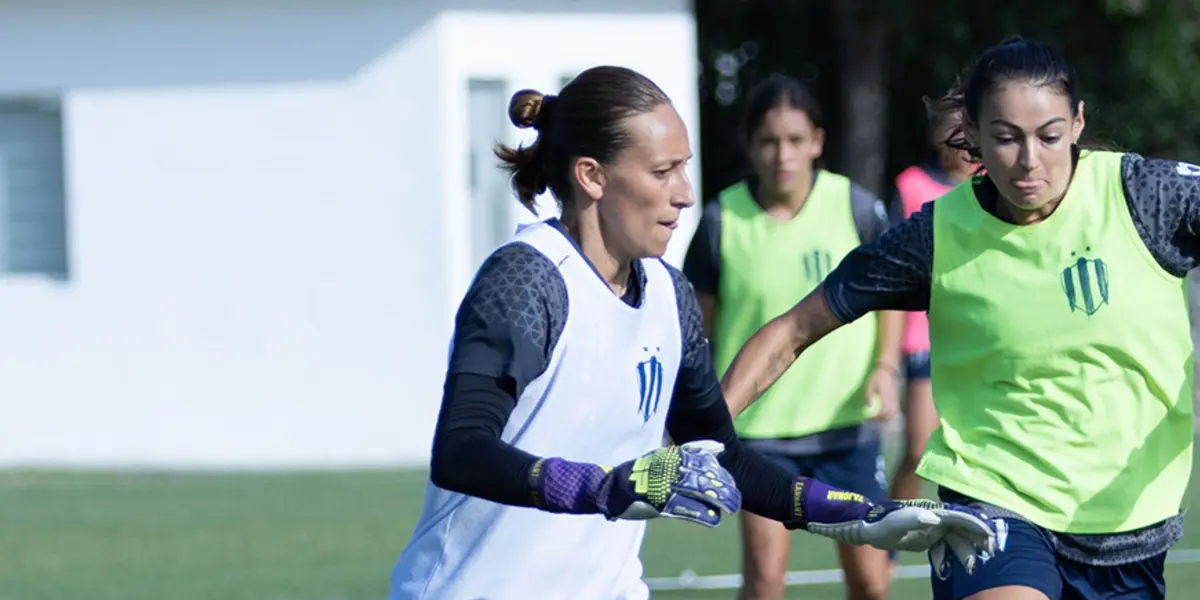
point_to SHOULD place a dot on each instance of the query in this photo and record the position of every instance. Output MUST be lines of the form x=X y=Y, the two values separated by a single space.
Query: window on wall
x=491 y=196
x=33 y=231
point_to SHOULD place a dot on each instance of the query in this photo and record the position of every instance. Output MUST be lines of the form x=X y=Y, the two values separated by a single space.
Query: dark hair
x=1013 y=59
x=584 y=119
x=775 y=91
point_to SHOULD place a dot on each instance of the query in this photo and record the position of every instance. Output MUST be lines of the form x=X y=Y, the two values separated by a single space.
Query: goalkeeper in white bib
x=575 y=350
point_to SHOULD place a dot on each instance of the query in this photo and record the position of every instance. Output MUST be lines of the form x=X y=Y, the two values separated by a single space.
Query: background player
x=916 y=185
x=576 y=347
x=1058 y=318
x=764 y=242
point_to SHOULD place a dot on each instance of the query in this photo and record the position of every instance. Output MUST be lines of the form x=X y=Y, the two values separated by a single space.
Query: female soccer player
x=575 y=349
x=1058 y=317
x=764 y=242
x=915 y=186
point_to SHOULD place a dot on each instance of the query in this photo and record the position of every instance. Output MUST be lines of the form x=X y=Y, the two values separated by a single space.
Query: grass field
x=295 y=536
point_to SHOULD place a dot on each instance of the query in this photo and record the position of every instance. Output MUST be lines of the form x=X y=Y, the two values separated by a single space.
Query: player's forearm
x=891 y=336
x=766 y=488
x=764 y=358
x=483 y=466
x=468 y=455
x=769 y=353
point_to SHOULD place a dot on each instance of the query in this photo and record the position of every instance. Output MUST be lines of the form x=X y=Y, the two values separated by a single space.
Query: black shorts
x=1025 y=557
x=916 y=366
x=859 y=469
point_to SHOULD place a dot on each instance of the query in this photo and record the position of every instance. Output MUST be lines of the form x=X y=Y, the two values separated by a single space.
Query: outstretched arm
x=767 y=355
x=698 y=412
x=893 y=273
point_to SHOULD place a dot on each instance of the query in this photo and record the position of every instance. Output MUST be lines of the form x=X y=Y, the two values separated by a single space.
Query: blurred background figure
x=765 y=242
x=916 y=185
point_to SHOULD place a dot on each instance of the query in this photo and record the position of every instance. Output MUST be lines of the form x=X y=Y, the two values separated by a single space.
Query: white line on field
x=690 y=581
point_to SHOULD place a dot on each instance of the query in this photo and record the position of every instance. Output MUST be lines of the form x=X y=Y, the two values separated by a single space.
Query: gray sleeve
x=896 y=208
x=892 y=273
x=697 y=384
x=870 y=215
x=1164 y=201
x=702 y=263
x=511 y=317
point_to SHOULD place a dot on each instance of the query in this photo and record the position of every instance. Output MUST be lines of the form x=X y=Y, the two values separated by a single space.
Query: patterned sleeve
x=697 y=384
x=893 y=273
x=1164 y=201
x=504 y=334
x=511 y=317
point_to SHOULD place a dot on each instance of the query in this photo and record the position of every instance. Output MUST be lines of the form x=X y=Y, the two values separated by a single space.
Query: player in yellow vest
x=766 y=241
x=1062 y=362
x=916 y=185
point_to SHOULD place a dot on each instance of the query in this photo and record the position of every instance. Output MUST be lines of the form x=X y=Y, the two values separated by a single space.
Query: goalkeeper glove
x=910 y=525
x=681 y=482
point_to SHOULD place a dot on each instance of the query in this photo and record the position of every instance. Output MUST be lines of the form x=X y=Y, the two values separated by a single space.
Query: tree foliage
x=1137 y=60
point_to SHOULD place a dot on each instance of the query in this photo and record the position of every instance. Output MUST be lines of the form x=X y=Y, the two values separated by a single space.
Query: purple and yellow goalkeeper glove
x=679 y=482
x=910 y=525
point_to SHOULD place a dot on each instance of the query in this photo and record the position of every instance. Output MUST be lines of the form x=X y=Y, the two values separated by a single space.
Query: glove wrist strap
x=819 y=504
x=562 y=486
x=798 y=519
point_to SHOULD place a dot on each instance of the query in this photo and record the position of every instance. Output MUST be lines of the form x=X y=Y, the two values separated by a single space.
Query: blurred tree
x=1136 y=60
x=740 y=43
x=862 y=31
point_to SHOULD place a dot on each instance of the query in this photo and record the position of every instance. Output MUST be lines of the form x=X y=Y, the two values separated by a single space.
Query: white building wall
x=537 y=52
x=263 y=201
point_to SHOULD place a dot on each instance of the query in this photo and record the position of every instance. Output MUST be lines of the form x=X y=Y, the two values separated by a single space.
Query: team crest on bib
x=1085 y=283
x=650 y=384
x=817 y=264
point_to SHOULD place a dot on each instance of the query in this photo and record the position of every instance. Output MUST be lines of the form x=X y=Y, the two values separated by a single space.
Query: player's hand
x=884 y=391
x=680 y=482
x=910 y=525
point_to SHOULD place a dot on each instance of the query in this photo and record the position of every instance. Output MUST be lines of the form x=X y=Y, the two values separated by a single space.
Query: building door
x=492 y=199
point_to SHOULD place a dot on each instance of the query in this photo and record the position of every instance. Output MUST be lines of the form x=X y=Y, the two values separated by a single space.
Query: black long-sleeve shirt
x=505 y=332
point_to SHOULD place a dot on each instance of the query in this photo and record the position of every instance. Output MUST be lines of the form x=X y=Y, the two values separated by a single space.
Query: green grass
x=296 y=536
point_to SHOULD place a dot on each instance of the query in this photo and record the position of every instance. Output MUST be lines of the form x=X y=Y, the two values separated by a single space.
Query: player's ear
x=589 y=176
x=1077 y=124
x=818 y=142
x=970 y=131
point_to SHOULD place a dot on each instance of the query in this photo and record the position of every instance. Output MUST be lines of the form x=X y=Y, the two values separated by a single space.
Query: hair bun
x=525 y=108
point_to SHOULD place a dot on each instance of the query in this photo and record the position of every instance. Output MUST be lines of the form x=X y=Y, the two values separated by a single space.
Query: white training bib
x=603 y=399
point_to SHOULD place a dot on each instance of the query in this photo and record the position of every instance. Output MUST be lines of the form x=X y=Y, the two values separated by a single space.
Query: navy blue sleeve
x=510 y=318
x=870 y=215
x=697 y=382
x=896 y=210
x=699 y=412
x=504 y=333
x=1164 y=201
x=702 y=263
x=893 y=273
